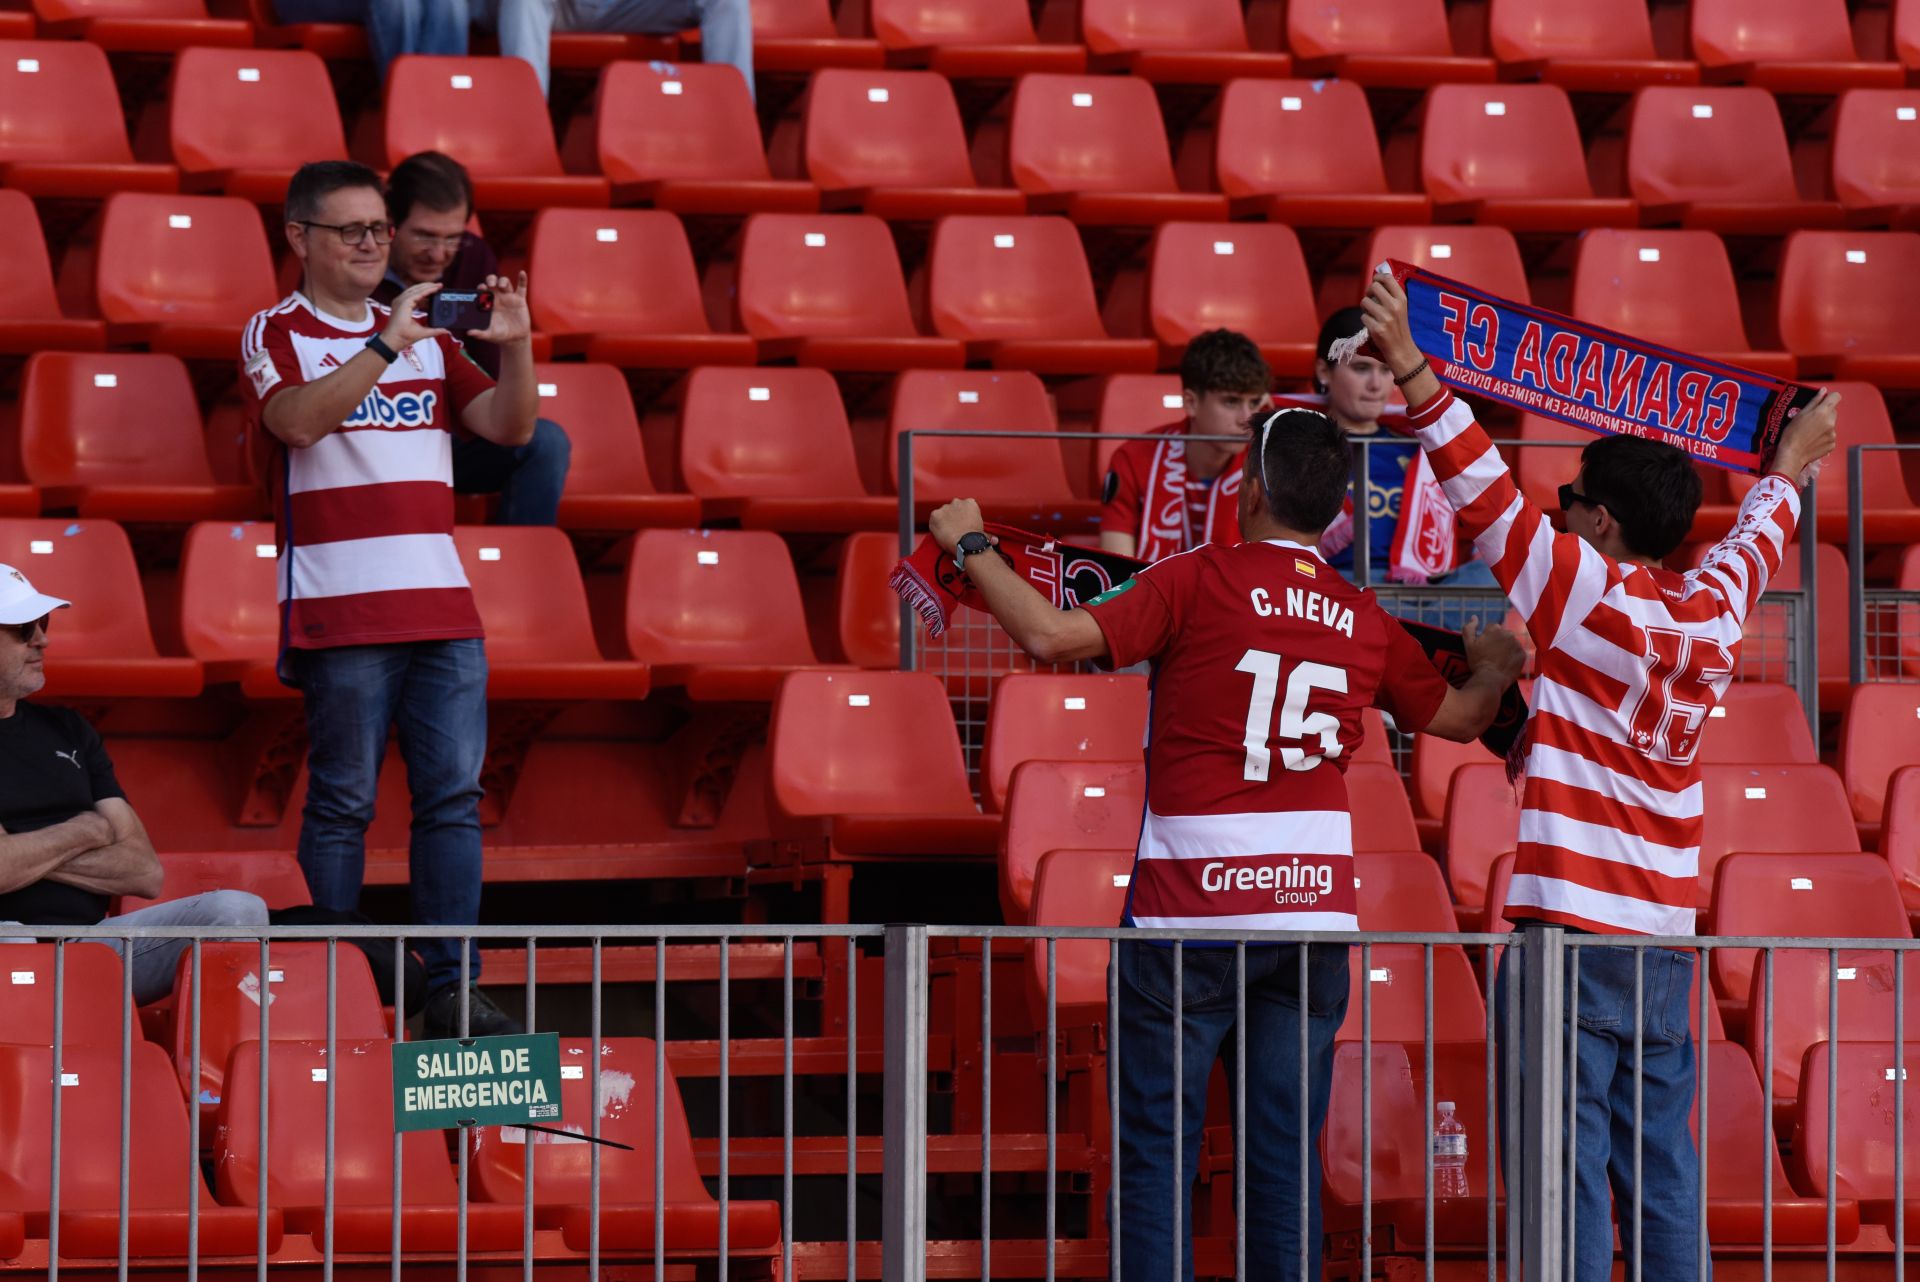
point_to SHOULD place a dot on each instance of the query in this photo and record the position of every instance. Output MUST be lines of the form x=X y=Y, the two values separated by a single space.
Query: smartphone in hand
x=458 y=311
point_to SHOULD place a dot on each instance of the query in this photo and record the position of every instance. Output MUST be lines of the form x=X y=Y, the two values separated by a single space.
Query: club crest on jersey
x=408 y=409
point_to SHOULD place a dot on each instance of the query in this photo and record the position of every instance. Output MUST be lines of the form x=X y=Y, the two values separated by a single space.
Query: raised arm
x=1049 y=634
x=505 y=413
x=1741 y=564
x=303 y=414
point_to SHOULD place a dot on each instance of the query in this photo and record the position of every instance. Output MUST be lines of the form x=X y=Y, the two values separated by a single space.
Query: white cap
x=19 y=603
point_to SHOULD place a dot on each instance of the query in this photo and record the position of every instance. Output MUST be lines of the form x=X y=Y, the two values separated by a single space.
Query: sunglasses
x=23 y=632
x=1570 y=496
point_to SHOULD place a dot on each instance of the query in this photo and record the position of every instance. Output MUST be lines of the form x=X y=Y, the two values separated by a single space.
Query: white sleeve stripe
x=1474 y=479
x=1453 y=420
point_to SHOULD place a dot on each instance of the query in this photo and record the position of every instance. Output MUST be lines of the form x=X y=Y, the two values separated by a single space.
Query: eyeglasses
x=23 y=632
x=1570 y=496
x=426 y=240
x=352 y=234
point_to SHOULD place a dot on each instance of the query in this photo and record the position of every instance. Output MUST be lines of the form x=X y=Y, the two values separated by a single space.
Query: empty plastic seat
x=1305 y=153
x=991 y=39
x=91 y=982
x=334 y=41
x=1889 y=513
x=1198 y=42
x=1791 y=46
x=563 y=1169
x=1876 y=157
x=1865 y=980
x=229 y=609
x=608 y=484
x=772 y=448
x=1769 y=809
x=1075 y=888
x=1880 y=734
x=1486 y=257
x=274 y=875
x=799 y=35
x=1248 y=278
x=140 y=26
x=1716 y=158
x=683 y=136
x=1039 y=716
x=1095 y=148
x=827 y=290
x=1430 y=774
x=891 y=143
x=1401 y=43
x=1669 y=287
x=241 y=121
x=1482 y=823
x=90 y=1089
x=1738 y=1157
x=490 y=113
x=1844 y=308
x=1019 y=293
x=1866 y=1133
x=1804 y=894
x=1382 y=816
x=101 y=645
x=1603 y=46
x=866 y=610
x=31 y=313
x=1401 y=890
x=1900 y=833
x=1067 y=806
x=119 y=436
x=1015 y=478
x=1511 y=155
x=1757 y=723
x=1396 y=976
x=360 y=1074
x=62 y=132
x=182 y=274
x=619 y=286
x=1132 y=404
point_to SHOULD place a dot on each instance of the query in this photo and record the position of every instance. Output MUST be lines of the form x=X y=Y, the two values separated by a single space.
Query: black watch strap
x=972 y=543
x=379 y=348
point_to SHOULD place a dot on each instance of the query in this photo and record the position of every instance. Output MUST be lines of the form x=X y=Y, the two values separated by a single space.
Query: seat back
x=1045 y=716
x=1741 y=31
x=884 y=129
x=866 y=743
x=821 y=275
x=1875 y=160
x=1869 y=1131
x=1434 y=761
x=1399 y=1121
x=1668 y=287
x=1772 y=809
x=1737 y=1152
x=1485 y=257
x=1249 y=277
x=1758 y=723
x=655 y=121
x=489 y=112
x=1799 y=895
x=1284 y=137
x=1075 y=888
x=1881 y=733
x=1388 y=27
x=1401 y=890
x=1843 y=292
x=1382 y=815
x=592 y=402
x=1527 y=30
x=1900 y=829
x=1087 y=133
x=1065 y=806
x=748 y=433
x=866 y=611
x=1701 y=143
x=1482 y=823
x=1395 y=974
x=714 y=596
x=1010 y=278
x=909 y=24
x=1131 y=404
x=252 y=109
x=58 y=102
x=120 y=418
x=621 y=271
x=1866 y=983
x=1123 y=26
x=228 y=605
x=90 y=979
x=532 y=602
x=946 y=467
x=274 y=875
x=91 y=564
x=195 y=260
x=26 y=287
x=1485 y=142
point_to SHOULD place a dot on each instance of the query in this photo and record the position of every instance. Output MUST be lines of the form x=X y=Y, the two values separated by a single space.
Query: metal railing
x=1883 y=622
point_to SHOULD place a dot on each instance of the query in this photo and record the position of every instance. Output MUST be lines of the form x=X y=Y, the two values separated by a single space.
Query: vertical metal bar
x=904 y=1196
x=333 y=1064
x=400 y=1035
x=593 y=1095
x=1511 y=1104
x=1053 y=1098
x=1179 y=1121
x=986 y=1107
x=1240 y=1108
x=1492 y=1104
x=660 y=1103
x=853 y=1045
x=1704 y=1247
x=266 y=1129
x=526 y=1156
x=1856 y=564
x=1900 y=960
x=1542 y=1177
x=726 y=1095
x=1639 y=1083
x=59 y=1085
x=1809 y=630
x=1766 y=1154
x=1306 y=1140
x=909 y=621
x=1574 y=954
x=193 y=1111
x=126 y=1103
x=466 y=1030
x=1113 y=1108
x=1426 y=1044
x=1366 y=1110
x=786 y=1108
x=1362 y=526
x=1833 y=1091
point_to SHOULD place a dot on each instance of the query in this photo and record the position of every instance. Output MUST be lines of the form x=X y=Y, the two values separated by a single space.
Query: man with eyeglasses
x=379 y=630
x=69 y=840
x=429 y=201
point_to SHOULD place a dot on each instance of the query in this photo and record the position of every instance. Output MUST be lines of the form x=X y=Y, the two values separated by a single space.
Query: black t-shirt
x=52 y=767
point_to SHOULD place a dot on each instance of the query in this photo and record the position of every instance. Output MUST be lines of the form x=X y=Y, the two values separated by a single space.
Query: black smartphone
x=455 y=310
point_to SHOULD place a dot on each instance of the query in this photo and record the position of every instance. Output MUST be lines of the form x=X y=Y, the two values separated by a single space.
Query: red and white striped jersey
x=1632 y=660
x=1263 y=660
x=365 y=514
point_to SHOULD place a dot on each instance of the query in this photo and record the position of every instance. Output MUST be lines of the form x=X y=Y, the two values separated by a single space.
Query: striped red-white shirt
x=1632 y=660
x=365 y=514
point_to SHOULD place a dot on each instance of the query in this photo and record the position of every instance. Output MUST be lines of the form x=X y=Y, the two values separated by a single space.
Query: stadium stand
x=88 y=990
x=1861 y=1164
x=1075 y=888
x=33 y=317
x=609 y=486
x=1775 y=809
x=274 y=875
x=62 y=130
x=1840 y=309
x=1717 y=158
x=1203 y=42
x=992 y=39
x=1798 y=893
x=1606 y=46
x=1874 y=174
x=1788 y=46
x=1401 y=43
x=1244 y=277
x=229 y=618
x=1511 y=156
x=1064 y=807
x=1038 y=716
x=892 y=144
x=1095 y=149
x=1900 y=833
x=1482 y=823
x=1880 y=733
x=182 y=274
x=238 y=118
x=1671 y=287
x=140 y=26
x=1021 y=480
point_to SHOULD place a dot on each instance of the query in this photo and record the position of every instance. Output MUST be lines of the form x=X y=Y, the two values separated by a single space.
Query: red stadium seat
x=1763 y=656
x=334 y=41
x=140 y=26
x=1131 y=404
x=1670 y=287
x=1486 y=257
x=1040 y=716
x=1540 y=471
x=119 y=436
x=717 y=611
x=1737 y=1152
x=827 y=290
x=990 y=39
x=490 y=113
x=1866 y=1132
x=1068 y=807
x=1511 y=155
x=608 y=484
x=1788 y=46
x=241 y=121
x=1374 y=744
x=1799 y=894
x=1844 y=308
x=799 y=35
x=1075 y=888
x=619 y=286
x=1876 y=161
x=1434 y=761
x=683 y=136
x=1890 y=514
x=295 y=1149
x=1482 y=823
x=563 y=1170
x=1604 y=46
x=1248 y=278
x=1401 y=891
x=1900 y=833
x=890 y=143
x=1398 y=43
x=1757 y=723
x=274 y=875
x=1716 y=158
x=229 y=614
x=1382 y=817
x=526 y=583
x=62 y=132
x=1019 y=293
x=1880 y=734
x=1395 y=974
x=101 y=646
x=1095 y=149
x=90 y=1191
x=1018 y=479
x=31 y=311
x=772 y=448
x=1866 y=981
x=182 y=274
x=91 y=989
x=866 y=611
x=1770 y=809
x=1198 y=42
x=1303 y=152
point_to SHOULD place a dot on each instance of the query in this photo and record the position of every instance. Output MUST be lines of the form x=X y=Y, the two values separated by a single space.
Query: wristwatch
x=972 y=543
x=378 y=347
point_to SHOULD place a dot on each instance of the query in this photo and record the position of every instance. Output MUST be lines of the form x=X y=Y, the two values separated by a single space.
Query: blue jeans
x=527 y=26
x=1603 y=1142
x=528 y=478
x=393 y=27
x=435 y=693
x=1275 y=1100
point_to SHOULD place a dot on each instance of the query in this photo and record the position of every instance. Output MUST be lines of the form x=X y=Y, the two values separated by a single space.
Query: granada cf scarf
x=1593 y=378
x=1070 y=576
x=1166 y=521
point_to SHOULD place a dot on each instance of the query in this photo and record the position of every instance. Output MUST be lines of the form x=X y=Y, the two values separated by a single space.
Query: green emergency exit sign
x=476 y=1081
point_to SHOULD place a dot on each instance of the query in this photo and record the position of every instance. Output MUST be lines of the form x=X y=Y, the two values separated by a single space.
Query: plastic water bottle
x=1449 y=1153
